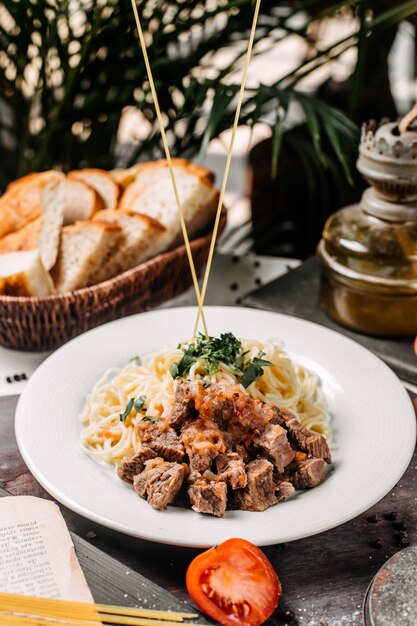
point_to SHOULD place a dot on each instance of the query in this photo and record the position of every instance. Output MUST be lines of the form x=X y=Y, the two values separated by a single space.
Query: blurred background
x=74 y=93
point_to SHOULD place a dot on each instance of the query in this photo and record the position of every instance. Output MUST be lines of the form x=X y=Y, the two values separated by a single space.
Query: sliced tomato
x=234 y=583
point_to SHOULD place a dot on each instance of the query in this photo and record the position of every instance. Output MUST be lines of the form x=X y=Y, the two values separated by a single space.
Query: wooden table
x=324 y=577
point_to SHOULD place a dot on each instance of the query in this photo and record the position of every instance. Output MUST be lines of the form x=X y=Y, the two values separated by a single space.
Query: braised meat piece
x=273 y=444
x=132 y=465
x=164 y=441
x=308 y=474
x=203 y=441
x=184 y=407
x=209 y=497
x=230 y=469
x=159 y=482
x=259 y=494
x=215 y=404
x=313 y=444
x=284 y=489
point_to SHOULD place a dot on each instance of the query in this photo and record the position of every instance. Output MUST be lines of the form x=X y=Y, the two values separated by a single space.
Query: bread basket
x=46 y=323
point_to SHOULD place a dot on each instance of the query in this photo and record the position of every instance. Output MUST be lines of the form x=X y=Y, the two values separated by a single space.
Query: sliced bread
x=143 y=239
x=23 y=274
x=152 y=194
x=81 y=201
x=85 y=246
x=102 y=183
x=45 y=194
x=21 y=202
x=125 y=177
x=26 y=238
x=52 y=202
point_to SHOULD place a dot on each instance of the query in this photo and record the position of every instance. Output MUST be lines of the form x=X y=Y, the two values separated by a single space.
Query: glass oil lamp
x=368 y=251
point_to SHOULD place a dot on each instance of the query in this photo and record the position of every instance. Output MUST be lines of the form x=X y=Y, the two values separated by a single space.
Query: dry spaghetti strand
x=169 y=161
x=18 y=609
x=227 y=167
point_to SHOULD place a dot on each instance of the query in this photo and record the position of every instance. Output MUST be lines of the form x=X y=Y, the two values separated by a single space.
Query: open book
x=37 y=556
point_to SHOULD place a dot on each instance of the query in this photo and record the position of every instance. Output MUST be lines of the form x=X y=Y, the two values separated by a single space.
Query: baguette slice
x=21 y=202
x=45 y=193
x=102 y=183
x=125 y=177
x=85 y=247
x=52 y=202
x=143 y=239
x=26 y=238
x=23 y=274
x=81 y=201
x=152 y=194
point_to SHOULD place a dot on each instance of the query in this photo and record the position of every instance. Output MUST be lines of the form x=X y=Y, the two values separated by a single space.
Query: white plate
x=373 y=420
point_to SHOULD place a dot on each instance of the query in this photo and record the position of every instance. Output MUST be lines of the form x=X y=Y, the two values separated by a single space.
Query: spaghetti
x=284 y=384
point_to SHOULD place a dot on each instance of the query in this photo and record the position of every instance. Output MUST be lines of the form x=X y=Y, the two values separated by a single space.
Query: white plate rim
x=408 y=428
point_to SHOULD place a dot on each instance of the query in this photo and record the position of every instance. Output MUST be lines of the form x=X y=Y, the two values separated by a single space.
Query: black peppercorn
x=258 y=281
x=372 y=519
x=8 y=379
x=235 y=259
x=390 y=517
x=233 y=287
x=289 y=617
x=402 y=540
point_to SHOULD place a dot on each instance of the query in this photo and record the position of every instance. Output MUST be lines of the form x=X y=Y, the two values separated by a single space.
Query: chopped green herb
x=205 y=383
x=211 y=350
x=139 y=402
x=215 y=350
x=136 y=359
x=126 y=412
x=151 y=418
x=253 y=371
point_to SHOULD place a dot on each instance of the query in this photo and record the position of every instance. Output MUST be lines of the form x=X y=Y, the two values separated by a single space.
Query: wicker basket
x=46 y=323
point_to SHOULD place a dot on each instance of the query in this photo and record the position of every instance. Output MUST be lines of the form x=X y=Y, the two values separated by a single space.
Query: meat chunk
x=308 y=474
x=159 y=482
x=184 y=406
x=230 y=469
x=209 y=497
x=203 y=442
x=314 y=444
x=274 y=444
x=284 y=490
x=259 y=494
x=165 y=442
x=215 y=403
x=132 y=465
x=280 y=416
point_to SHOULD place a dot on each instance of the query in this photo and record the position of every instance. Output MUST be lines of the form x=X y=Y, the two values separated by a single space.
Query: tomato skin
x=234 y=583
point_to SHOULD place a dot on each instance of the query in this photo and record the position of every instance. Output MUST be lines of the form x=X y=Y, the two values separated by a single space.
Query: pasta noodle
x=285 y=384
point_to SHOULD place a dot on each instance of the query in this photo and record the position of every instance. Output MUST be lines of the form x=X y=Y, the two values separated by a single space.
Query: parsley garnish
x=215 y=350
x=132 y=404
x=126 y=412
x=253 y=371
x=151 y=418
x=139 y=402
